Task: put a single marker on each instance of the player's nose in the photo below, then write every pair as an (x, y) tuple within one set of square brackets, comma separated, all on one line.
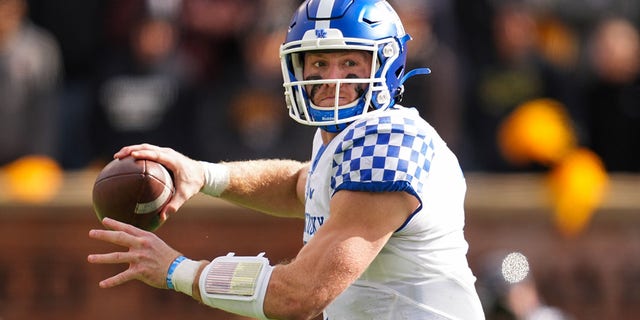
[(335, 72)]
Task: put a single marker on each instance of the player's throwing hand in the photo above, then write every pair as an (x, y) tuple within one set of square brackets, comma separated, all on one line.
[(188, 173)]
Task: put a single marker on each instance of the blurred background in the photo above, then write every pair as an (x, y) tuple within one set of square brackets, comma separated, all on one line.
[(539, 99)]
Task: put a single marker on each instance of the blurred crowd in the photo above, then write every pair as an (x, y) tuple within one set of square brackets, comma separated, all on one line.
[(80, 80)]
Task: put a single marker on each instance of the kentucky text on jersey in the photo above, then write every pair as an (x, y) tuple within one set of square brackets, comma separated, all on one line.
[(312, 223)]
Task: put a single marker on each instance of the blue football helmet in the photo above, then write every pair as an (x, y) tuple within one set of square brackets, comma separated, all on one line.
[(369, 25)]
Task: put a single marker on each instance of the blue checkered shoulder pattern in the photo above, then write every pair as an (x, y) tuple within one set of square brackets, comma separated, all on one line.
[(388, 153)]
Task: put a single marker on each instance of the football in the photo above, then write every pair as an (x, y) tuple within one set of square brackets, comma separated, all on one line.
[(133, 191)]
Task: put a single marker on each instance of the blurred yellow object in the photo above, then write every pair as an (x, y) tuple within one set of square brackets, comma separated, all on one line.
[(539, 130), (33, 179), (578, 185)]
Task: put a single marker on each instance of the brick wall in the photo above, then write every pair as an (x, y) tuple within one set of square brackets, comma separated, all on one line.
[(44, 273)]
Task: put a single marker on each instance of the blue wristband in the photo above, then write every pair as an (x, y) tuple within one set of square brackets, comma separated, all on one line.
[(172, 268)]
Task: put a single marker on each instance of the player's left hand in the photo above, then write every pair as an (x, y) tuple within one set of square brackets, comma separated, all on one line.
[(148, 257)]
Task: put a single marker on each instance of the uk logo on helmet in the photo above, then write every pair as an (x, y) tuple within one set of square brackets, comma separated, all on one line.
[(321, 33)]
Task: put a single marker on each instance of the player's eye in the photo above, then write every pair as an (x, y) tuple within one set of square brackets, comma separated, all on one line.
[(318, 64), (350, 63)]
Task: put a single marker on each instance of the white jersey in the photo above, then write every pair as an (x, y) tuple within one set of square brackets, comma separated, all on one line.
[(422, 272)]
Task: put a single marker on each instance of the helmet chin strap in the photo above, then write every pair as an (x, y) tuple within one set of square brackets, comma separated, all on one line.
[(400, 92), (415, 72)]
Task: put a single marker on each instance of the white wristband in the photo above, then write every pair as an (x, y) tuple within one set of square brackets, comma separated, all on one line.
[(216, 178), (184, 275)]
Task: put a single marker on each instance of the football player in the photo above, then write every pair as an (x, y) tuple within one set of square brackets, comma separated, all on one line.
[(382, 194)]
